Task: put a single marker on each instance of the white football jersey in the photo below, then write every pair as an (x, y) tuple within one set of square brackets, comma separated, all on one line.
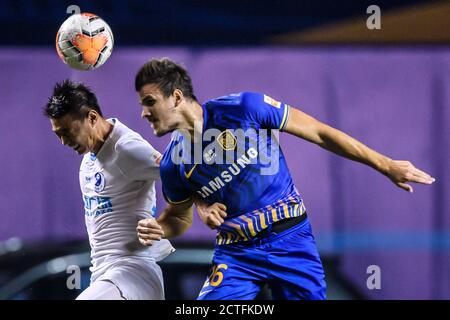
[(118, 186)]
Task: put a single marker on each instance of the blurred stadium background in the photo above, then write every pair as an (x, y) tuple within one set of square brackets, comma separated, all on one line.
[(389, 88)]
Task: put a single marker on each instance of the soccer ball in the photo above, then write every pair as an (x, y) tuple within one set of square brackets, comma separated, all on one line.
[(84, 41)]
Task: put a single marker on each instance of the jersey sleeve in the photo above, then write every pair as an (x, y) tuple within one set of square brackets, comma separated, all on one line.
[(137, 159), (173, 189), (264, 110)]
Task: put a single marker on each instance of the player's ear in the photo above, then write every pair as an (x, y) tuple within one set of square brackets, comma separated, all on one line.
[(92, 117), (178, 96)]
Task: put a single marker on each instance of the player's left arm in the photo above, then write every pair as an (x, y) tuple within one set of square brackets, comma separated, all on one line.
[(398, 171), (175, 220)]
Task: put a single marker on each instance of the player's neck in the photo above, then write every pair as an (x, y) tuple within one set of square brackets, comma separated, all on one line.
[(104, 129), (193, 119)]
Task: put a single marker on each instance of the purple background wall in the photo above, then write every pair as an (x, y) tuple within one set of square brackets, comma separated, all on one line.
[(394, 100)]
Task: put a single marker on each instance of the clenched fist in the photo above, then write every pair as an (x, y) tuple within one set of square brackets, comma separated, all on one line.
[(213, 215)]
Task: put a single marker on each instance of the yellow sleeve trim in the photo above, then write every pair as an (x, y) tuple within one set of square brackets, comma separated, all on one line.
[(285, 116), (178, 202)]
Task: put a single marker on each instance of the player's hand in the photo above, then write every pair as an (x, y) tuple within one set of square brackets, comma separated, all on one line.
[(400, 172), (149, 230), (213, 215)]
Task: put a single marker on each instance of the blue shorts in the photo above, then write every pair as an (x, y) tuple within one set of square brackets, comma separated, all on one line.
[(288, 262)]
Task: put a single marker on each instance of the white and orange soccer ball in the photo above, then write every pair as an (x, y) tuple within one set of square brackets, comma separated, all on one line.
[(84, 41)]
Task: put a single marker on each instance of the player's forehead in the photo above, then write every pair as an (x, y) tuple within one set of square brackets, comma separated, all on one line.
[(150, 90), (63, 123)]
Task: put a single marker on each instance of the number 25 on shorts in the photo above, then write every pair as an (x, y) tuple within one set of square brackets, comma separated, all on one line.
[(216, 276)]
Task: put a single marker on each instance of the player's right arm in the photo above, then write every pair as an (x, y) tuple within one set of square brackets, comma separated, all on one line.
[(399, 172), (271, 114), (177, 218), (172, 222)]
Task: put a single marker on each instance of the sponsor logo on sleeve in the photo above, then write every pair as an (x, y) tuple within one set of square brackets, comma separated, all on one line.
[(272, 102)]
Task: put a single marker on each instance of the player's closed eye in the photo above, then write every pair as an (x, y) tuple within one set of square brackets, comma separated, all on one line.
[(63, 135), (148, 102)]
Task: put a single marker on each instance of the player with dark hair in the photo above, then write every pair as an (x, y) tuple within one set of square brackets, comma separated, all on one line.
[(76, 117), (117, 180), (264, 235), (73, 98)]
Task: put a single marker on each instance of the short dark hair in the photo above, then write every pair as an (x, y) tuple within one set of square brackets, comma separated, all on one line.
[(167, 75), (71, 97)]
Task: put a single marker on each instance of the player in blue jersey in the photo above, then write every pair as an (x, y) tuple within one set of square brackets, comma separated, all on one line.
[(226, 153)]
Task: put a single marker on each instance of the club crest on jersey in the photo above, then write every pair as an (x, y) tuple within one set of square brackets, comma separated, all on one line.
[(99, 182), (227, 140)]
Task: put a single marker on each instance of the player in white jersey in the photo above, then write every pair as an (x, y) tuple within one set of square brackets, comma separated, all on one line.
[(117, 179), (118, 186)]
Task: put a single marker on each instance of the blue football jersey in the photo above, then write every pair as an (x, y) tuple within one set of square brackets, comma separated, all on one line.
[(238, 162)]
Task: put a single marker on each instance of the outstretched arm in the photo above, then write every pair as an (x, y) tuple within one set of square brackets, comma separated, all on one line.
[(400, 172)]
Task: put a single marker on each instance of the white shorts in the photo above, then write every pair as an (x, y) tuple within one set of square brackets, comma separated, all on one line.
[(133, 279), (101, 290)]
